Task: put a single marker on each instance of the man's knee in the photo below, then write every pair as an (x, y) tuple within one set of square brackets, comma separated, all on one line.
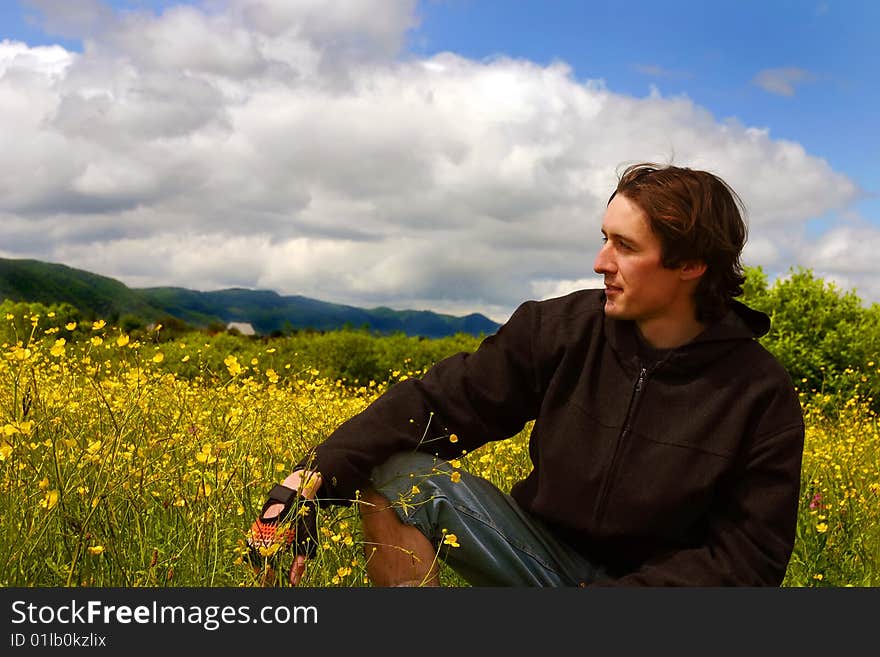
[(371, 503), (397, 553), (414, 487)]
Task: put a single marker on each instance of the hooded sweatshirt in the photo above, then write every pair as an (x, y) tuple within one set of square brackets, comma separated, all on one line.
[(680, 469)]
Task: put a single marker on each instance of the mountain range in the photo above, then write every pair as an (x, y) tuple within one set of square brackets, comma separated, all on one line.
[(266, 311)]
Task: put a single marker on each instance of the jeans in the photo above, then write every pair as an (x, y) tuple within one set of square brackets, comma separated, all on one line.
[(499, 544)]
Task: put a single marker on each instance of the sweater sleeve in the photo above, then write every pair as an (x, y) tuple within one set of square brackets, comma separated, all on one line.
[(486, 395), (751, 531)]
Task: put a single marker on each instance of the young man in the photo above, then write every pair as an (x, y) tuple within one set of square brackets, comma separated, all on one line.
[(666, 444)]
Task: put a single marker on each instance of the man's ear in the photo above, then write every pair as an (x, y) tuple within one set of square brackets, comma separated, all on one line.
[(690, 270)]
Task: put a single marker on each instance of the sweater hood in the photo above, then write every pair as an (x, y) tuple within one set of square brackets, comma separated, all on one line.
[(740, 324), (753, 320)]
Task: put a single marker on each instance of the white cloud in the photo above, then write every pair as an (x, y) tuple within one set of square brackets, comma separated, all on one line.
[(292, 146), (50, 61), (760, 252), (847, 255), (548, 289), (72, 19), (782, 81)]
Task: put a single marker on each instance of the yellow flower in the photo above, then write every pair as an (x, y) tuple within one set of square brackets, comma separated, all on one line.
[(416, 490), (50, 500), (451, 540), (122, 340), (159, 357), (57, 349), (97, 341), (272, 376), (95, 549), (232, 365), (822, 527), (5, 450), (455, 477), (269, 551), (70, 326), (453, 438), (22, 354), (97, 326)]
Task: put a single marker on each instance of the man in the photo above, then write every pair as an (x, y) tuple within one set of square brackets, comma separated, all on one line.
[(666, 444)]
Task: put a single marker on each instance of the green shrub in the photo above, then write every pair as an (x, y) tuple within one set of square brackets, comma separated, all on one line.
[(827, 339)]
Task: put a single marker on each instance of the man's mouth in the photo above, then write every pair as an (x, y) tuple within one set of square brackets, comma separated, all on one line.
[(612, 289)]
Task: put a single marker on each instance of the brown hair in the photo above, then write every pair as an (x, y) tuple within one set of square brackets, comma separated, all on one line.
[(697, 216)]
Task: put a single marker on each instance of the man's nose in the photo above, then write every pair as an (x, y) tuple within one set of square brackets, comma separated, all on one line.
[(604, 263)]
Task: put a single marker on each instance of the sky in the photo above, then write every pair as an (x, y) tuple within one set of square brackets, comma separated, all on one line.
[(451, 155)]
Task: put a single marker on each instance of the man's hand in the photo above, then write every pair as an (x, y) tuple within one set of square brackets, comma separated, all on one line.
[(306, 483)]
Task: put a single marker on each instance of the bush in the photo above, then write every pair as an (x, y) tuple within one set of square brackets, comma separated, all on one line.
[(22, 319), (827, 339)]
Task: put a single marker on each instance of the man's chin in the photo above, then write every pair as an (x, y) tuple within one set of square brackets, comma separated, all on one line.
[(614, 310)]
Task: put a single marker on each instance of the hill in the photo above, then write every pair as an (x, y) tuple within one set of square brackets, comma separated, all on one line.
[(92, 294), (267, 311)]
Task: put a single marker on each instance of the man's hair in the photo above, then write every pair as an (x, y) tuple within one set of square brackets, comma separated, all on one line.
[(697, 216)]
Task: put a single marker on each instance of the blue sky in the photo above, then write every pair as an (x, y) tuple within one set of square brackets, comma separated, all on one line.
[(779, 95)]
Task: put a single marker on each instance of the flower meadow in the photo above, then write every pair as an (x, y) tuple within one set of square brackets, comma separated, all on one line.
[(141, 461)]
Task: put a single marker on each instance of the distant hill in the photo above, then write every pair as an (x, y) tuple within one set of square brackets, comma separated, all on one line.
[(32, 280), (265, 310)]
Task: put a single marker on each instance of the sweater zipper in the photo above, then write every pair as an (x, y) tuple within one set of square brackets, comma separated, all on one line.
[(624, 434)]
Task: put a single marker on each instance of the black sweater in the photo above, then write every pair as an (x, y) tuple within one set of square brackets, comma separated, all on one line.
[(682, 472)]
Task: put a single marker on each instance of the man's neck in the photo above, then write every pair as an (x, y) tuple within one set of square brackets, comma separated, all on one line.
[(669, 333)]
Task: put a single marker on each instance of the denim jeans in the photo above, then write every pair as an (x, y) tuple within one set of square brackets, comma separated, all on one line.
[(499, 544)]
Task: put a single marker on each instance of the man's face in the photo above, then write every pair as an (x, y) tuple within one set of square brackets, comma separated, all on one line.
[(637, 285)]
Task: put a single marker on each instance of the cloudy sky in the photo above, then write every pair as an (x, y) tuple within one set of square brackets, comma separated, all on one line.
[(449, 155)]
